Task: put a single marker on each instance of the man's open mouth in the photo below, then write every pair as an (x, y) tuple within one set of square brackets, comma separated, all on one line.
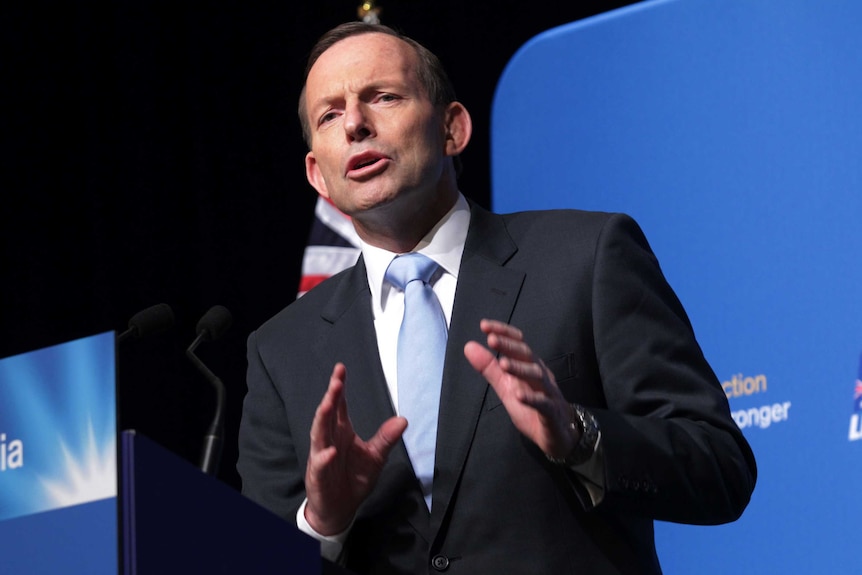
[(364, 163)]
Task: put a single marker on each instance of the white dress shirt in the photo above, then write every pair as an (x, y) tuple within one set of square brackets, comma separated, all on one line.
[(444, 244)]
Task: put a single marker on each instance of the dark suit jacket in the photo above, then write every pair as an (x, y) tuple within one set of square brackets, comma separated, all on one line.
[(591, 300)]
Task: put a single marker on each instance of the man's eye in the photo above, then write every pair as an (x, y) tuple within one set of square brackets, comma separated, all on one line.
[(327, 117), (387, 97)]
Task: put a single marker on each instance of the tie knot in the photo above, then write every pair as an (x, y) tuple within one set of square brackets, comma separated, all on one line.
[(408, 267)]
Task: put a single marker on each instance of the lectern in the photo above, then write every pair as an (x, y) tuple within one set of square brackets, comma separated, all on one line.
[(67, 507), (177, 520)]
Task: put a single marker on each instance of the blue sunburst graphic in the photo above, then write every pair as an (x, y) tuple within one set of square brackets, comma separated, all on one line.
[(58, 418)]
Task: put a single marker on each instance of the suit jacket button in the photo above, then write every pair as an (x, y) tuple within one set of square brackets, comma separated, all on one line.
[(440, 562)]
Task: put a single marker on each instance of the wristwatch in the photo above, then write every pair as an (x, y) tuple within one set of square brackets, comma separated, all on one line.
[(588, 428)]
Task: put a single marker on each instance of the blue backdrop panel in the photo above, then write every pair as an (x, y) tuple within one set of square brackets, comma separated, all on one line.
[(732, 131)]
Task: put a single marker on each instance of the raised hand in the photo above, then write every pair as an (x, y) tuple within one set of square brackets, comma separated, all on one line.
[(525, 386), (342, 468)]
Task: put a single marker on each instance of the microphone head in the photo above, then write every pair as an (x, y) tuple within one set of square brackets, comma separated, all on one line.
[(155, 319), (214, 323)]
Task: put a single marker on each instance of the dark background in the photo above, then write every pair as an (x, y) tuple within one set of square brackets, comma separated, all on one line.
[(151, 153)]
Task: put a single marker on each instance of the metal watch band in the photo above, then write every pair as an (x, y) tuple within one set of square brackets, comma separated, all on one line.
[(588, 427)]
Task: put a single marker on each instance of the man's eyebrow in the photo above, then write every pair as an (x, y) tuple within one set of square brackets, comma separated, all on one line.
[(382, 85), (324, 102)]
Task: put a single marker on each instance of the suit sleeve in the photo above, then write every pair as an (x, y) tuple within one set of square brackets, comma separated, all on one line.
[(268, 463), (671, 449)]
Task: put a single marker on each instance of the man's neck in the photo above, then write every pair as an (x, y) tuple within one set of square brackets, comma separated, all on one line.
[(400, 232)]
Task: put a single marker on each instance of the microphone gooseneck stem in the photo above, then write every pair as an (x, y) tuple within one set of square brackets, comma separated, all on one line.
[(211, 454), (129, 333)]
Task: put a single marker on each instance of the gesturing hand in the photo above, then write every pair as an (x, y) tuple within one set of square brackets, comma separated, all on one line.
[(525, 386), (342, 468)]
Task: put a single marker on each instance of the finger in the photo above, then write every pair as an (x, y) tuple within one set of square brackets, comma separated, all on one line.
[(339, 374), (535, 373), (339, 371), (510, 347), (517, 358), (322, 458), (489, 326), (529, 371), (322, 425)]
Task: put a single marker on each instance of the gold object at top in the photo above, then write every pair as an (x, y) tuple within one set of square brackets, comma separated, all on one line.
[(369, 12)]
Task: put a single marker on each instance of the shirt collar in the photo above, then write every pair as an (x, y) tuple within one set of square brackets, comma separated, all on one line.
[(444, 244)]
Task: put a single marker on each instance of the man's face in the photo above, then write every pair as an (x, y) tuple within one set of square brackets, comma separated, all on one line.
[(377, 141)]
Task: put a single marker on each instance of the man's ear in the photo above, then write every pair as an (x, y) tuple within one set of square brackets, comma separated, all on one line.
[(315, 178), (459, 128)]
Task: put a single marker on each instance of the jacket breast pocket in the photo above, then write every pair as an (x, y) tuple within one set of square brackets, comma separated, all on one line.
[(563, 367)]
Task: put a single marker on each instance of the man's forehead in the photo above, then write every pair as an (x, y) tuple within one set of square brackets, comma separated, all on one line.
[(365, 58), (371, 48)]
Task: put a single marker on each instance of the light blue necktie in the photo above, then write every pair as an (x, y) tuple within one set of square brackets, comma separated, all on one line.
[(421, 350)]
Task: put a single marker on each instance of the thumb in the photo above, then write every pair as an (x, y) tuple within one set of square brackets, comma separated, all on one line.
[(483, 361), (387, 436)]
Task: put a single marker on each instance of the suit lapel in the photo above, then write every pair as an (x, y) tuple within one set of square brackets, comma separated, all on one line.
[(485, 289), (353, 341)]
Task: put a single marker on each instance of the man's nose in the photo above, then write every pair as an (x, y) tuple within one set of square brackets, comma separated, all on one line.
[(357, 124)]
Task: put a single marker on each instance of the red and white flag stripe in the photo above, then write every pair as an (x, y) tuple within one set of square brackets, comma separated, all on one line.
[(332, 246)]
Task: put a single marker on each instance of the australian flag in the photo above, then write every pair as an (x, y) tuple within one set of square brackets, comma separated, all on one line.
[(857, 394), (332, 246)]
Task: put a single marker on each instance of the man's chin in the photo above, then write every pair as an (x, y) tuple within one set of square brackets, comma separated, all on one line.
[(373, 204)]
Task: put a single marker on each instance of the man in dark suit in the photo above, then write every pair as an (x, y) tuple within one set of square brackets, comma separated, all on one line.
[(587, 411)]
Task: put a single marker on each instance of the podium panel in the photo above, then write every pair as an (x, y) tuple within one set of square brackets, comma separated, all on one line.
[(177, 520)]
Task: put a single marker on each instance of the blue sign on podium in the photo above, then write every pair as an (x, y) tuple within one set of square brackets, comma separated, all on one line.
[(58, 459)]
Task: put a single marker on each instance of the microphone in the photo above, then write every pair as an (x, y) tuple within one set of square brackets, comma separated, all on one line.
[(214, 323), (155, 319)]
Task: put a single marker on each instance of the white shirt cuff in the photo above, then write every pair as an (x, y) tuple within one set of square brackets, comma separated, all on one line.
[(591, 473), (331, 546)]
